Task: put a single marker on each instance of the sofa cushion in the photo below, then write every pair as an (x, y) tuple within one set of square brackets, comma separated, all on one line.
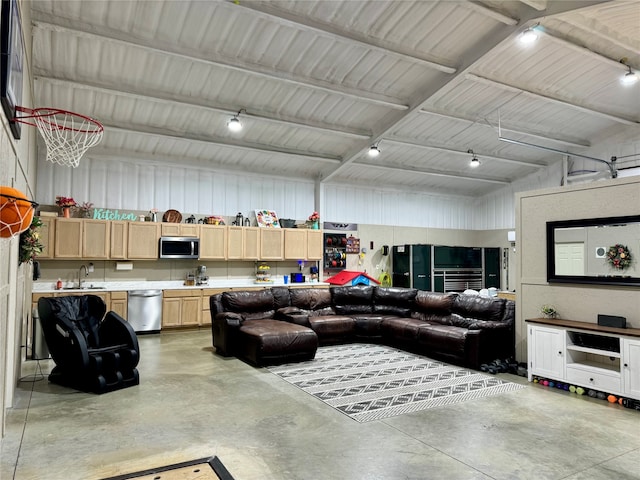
[(443, 339), (310, 298), (281, 297), (251, 304), (332, 328), (434, 302), (357, 299), (479, 308), (394, 301), (401, 329)]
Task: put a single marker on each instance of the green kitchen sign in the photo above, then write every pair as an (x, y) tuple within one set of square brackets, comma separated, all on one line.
[(106, 214)]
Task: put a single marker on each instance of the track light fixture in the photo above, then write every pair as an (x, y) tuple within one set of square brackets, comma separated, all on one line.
[(374, 151), (630, 77), (474, 160), (234, 124), (529, 35)]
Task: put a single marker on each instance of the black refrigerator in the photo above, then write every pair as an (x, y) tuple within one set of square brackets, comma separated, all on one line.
[(411, 266)]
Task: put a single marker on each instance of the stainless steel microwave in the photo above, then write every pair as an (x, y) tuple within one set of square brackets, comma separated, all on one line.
[(179, 247)]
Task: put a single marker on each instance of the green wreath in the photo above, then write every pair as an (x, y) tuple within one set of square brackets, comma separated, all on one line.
[(619, 257)]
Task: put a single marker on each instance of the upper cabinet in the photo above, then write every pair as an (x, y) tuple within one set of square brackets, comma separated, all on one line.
[(77, 238), (213, 242), (142, 240), (180, 229), (295, 243), (271, 244), (47, 236)]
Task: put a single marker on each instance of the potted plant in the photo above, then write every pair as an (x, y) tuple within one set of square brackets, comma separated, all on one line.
[(66, 203), (85, 208), (549, 311)]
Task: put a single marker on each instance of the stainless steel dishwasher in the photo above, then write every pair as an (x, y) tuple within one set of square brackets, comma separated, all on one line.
[(144, 311)]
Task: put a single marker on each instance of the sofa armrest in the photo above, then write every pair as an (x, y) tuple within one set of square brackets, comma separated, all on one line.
[(293, 315), (489, 325), (224, 329)]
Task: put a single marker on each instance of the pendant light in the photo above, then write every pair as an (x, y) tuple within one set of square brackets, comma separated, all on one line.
[(630, 77), (474, 159), (529, 35), (374, 151), (234, 124)]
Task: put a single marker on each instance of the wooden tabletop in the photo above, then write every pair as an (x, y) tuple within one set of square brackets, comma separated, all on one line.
[(593, 327)]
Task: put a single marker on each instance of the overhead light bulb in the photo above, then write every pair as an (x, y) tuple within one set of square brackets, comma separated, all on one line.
[(474, 162), (528, 36), (234, 124), (629, 78), (374, 151)]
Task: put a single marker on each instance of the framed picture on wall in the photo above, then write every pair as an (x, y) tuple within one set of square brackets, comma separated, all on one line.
[(12, 64)]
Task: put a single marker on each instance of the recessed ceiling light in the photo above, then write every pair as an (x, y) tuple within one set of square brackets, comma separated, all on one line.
[(374, 151)]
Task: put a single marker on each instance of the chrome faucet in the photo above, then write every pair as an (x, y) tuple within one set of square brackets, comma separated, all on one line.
[(86, 274)]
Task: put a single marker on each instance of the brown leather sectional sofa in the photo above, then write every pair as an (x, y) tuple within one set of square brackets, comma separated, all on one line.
[(281, 325)]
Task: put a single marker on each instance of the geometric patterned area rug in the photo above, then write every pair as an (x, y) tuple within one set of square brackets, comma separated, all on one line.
[(370, 382)]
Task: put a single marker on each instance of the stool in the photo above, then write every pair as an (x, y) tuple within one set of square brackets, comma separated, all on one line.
[(266, 341)]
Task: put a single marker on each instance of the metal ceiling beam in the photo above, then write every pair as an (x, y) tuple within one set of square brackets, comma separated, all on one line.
[(268, 11), (491, 13), (249, 146), (93, 32), (491, 40), (401, 141), (484, 123), (434, 173), (557, 101), (191, 102)]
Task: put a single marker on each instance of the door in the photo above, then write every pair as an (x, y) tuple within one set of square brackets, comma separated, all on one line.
[(569, 258), (421, 266), (546, 352), (401, 263), (631, 367), (492, 267)]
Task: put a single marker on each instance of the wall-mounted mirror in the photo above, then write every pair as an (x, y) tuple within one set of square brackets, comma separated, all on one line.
[(595, 250)]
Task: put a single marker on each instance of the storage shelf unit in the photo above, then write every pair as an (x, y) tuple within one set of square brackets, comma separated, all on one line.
[(585, 354)]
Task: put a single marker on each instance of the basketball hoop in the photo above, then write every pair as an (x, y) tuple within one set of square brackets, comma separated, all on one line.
[(67, 135)]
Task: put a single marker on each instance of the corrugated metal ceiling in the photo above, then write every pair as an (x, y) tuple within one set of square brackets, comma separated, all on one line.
[(317, 83)]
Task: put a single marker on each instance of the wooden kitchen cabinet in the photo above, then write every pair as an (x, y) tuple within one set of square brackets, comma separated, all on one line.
[(68, 238), (251, 240), (213, 242), (205, 318), (96, 239), (179, 229), (271, 243), (235, 242), (315, 246), (119, 231), (142, 240), (47, 236), (119, 303), (295, 243), (181, 308), (82, 238)]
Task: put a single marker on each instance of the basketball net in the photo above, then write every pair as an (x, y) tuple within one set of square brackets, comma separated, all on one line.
[(16, 213), (67, 135)]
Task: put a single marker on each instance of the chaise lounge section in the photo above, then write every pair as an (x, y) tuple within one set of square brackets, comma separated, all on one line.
[(284, 325)]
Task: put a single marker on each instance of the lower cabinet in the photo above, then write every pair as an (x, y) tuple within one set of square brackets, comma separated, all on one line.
[(181, 308), (605, 359), (119, 303), (206, 310)]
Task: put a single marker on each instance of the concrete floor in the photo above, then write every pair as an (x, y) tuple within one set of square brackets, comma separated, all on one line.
[(192, 403)]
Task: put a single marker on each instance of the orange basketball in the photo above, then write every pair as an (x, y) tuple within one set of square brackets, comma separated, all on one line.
[(16, 212)]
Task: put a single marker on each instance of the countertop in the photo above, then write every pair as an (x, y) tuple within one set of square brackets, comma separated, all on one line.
[(49, 287)]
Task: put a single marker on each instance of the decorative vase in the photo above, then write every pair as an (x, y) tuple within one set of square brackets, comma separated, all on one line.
[(66, 212), (315, 226)]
